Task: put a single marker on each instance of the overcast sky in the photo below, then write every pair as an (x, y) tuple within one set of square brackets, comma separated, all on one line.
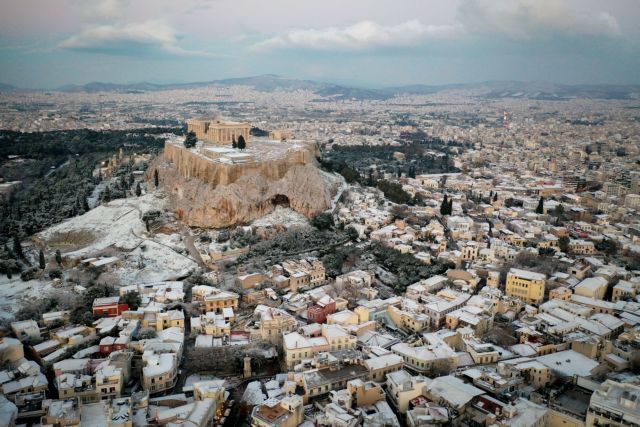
[(47, 43)]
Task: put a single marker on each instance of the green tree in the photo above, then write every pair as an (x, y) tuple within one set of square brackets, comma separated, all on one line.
[(352, 233), (540, 208), (41, 260), (323, 221), (242, 144), (563, 243), (495, 196), (58, 257), (444, 206), (106, 194), (156, 179), (234, 144), (132, 299), (350, 175), (138, 190), (394, 192), (17, 247), (190, 140)]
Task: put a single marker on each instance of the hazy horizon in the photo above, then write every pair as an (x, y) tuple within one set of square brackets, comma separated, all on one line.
[(373, 44)]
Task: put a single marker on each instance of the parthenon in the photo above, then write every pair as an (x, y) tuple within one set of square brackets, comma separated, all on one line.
[(218, 131)]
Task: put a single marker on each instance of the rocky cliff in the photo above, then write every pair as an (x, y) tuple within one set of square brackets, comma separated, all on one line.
[(212, 194)]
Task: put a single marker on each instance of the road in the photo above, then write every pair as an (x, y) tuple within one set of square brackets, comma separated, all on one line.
[(188, 239)]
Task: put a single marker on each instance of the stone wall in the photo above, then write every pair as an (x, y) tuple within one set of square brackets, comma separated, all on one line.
[(210, 194)]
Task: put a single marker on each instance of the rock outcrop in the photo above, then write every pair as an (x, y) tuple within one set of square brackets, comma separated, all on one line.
[(212, 194)]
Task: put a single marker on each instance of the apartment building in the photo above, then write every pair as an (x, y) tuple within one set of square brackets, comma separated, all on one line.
[(526, 285)]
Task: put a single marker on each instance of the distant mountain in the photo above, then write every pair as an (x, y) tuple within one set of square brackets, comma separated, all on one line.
[(7, 88), (559, 92), (264, 83), (490, 89), (111, 87)]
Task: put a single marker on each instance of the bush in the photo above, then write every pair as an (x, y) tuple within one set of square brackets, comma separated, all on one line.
[(323, 221), (407, 267), (147, 333), (30, 274), (394, 192), (55, 274), (9, 267), (352, 233)]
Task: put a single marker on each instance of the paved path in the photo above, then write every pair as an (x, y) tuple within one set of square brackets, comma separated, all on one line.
[(188, 239)]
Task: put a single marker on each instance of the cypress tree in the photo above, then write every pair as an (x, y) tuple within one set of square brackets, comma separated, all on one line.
[(17, 247), (106, 194), (58, 257), (138, 190), (41, 260), (234, 144), (540, 208), (156, 180), (242, 144), (444, 205)]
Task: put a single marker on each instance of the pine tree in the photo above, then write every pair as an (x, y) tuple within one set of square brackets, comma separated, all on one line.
[(85, 204), (495, 196), (17, 247), (234, 144), (41, 260), (138, 190), (58, 257), (156, 180), (540, 208), (450, 207), (242, 144)]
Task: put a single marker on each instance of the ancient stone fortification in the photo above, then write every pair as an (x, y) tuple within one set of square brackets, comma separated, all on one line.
[(214, 194)]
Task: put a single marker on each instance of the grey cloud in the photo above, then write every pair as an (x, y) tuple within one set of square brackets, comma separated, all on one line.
[(523, 20), (511, 20), (131, 39), (362, 35)]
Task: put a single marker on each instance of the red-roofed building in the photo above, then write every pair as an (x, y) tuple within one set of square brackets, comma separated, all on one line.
[(319, 311), (108, 307)]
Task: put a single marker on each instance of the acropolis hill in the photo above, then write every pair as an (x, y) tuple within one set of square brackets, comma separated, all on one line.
[(214, 185)]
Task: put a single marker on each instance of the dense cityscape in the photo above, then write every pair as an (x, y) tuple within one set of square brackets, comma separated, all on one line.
[(276, 252)]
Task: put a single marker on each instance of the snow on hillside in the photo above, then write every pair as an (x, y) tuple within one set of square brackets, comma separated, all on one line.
[(281, 216), (115, 224), (119, 225), (153, 262)]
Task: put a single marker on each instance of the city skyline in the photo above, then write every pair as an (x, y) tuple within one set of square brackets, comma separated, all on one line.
[(47, 45)]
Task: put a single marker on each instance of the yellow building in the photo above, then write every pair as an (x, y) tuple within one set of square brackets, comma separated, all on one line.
[(218, 300), (365, 393), (526, 285), (217, 131), (169, 319), (562, 293), (273, 323)]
